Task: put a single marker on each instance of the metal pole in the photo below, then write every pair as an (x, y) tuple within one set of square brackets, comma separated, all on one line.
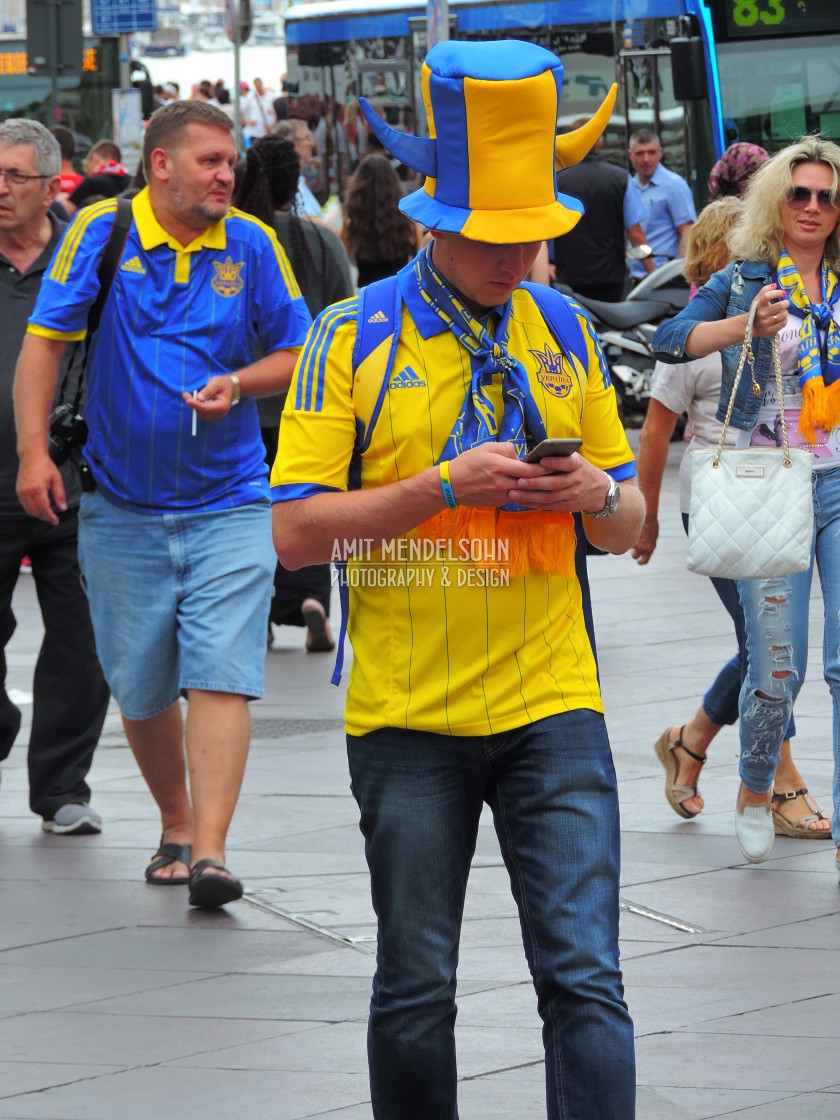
[(237, 90), (55, 61), (125, 59), (437, 22)]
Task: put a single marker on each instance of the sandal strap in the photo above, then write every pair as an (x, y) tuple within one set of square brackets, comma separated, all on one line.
[(683, 793), (204, 864), (814, 807), (701, 758), (803, 822), (791, 795), (171, 853)]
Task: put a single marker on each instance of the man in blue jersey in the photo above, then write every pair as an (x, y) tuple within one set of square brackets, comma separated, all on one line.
[(174, 542)]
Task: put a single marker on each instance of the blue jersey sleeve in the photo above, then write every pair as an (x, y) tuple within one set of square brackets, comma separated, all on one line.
[(70, 284)]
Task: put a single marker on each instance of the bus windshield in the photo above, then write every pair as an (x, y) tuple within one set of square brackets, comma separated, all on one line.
[(803, 95)]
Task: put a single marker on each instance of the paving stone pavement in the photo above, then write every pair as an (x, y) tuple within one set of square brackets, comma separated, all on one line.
[(117, 1002)]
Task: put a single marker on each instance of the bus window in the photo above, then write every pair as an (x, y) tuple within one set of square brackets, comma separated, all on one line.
[(802, 97)]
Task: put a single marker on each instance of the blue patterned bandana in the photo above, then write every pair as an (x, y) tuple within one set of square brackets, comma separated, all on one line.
[(521, 423)]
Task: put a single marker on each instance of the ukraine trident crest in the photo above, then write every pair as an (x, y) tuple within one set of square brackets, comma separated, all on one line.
[(552, 372), (227, 281)]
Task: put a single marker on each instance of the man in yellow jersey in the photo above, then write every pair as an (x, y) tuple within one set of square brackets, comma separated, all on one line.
[(174, 541), (474, 677)]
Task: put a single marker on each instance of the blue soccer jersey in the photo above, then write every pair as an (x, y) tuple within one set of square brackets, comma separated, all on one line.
[(176, 316)]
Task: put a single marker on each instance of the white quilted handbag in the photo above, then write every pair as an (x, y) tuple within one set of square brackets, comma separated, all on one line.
[(751, 514)]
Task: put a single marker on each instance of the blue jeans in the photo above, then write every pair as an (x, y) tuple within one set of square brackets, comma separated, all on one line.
[(722, 701), (776, 616), (551, 786)]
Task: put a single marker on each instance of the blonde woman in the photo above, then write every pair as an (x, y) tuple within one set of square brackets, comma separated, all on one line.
[(694, 387), (786, 262)]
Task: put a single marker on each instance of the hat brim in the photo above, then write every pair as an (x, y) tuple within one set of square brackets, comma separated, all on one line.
[(497, 227)]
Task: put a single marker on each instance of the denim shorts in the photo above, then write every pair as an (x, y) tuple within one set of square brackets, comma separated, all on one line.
[(178, 600)]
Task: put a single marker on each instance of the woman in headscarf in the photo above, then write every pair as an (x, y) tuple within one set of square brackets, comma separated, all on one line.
[(732, 172)]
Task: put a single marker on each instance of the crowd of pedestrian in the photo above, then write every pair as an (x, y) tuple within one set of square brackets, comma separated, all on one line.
[(440, 408)]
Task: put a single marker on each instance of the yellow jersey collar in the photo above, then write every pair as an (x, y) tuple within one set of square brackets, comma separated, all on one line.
[(152, 233)]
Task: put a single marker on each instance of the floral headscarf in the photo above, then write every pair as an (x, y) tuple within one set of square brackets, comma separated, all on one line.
[(734, 169)]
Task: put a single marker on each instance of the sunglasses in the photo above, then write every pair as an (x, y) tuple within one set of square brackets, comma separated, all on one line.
[(800, 197)]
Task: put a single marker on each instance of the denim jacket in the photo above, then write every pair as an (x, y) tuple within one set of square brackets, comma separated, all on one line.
[(728, 293)]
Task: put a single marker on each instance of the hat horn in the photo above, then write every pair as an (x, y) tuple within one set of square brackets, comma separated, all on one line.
[(414, 151), (570, 148)]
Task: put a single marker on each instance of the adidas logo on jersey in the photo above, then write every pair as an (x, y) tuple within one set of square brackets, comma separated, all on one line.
[(378, 317), (134, 265), (406, 379)]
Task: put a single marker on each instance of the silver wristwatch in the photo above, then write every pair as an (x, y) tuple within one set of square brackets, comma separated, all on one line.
[(611, 504)]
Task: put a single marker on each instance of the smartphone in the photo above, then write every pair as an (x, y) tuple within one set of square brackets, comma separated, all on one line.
[(552, 448)]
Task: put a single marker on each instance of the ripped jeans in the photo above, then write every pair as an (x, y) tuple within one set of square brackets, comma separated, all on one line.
[(776, 619)]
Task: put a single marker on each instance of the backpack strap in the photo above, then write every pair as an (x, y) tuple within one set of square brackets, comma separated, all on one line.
[(105, 274), (377, 336), (379, 314), (560, 318)]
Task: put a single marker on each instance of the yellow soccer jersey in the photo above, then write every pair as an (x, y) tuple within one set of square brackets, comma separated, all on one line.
[(440, 645)]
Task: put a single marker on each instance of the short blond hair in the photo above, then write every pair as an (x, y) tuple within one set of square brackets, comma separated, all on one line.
[(759, 235), (707, 251)]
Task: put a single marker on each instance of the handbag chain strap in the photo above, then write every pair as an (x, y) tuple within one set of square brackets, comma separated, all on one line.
[(747, 355)]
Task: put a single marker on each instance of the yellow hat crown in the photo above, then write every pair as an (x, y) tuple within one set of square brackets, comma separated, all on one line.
[(490, 162)]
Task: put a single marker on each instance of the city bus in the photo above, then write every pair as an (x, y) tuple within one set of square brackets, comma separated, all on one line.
[(763, 71), (84, 103)]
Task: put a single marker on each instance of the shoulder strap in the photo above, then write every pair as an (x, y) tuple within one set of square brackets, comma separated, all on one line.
[(108, 264), (560, 318), (377, 336), (105, 274)]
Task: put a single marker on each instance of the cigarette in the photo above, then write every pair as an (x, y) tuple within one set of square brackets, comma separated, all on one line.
[(195, 414)]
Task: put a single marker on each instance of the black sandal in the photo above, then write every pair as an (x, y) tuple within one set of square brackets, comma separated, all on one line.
[(210, 890), (166, 854)]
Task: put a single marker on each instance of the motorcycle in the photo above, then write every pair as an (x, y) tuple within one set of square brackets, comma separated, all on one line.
[(625, 331)]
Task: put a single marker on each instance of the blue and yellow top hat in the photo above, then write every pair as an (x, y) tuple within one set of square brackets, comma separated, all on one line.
[(491, 159)]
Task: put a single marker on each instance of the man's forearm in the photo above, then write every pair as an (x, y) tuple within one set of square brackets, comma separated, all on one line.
[(35, 380), (271, 374), (621, 531), (636, 236), (310, 530)]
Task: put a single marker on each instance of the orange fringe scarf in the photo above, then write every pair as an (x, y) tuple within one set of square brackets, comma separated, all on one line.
[(517, 543)]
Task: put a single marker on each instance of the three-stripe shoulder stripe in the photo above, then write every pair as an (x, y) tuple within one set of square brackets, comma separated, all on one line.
[(586, 323), (310, 386), (67, 252)]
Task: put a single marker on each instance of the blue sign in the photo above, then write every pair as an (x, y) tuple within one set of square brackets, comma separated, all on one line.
[(120, 17)]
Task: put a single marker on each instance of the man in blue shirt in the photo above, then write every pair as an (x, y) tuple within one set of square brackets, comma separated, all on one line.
[(666, 197), (175, 541)]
